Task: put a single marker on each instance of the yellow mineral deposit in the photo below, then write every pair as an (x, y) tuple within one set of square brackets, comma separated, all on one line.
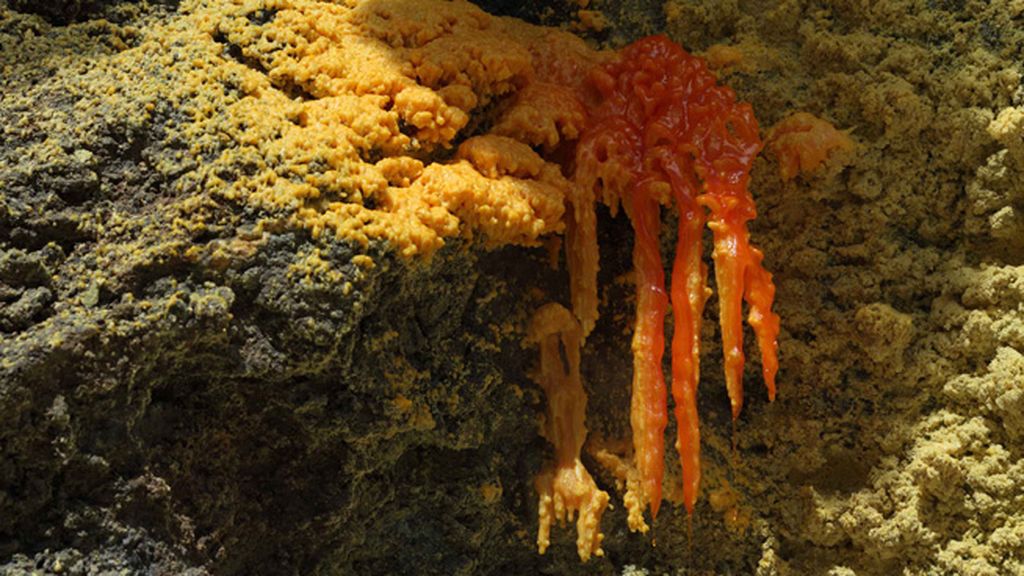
[(416, 121), (564, 486)]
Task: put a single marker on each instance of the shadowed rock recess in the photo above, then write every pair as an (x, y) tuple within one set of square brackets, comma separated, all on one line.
[(255, 320)]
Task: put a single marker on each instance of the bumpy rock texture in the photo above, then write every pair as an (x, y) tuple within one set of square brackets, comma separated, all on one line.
[(194, 380)]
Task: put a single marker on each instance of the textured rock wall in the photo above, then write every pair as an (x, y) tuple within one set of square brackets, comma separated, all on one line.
[(184, 389)]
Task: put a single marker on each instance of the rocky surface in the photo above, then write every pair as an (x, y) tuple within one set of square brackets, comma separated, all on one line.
[(187, 389)]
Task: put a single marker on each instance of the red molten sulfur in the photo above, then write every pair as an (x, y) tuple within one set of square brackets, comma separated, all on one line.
[(663, 130)]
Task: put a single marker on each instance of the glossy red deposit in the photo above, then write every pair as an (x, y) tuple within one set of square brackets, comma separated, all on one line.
[(665, 131)]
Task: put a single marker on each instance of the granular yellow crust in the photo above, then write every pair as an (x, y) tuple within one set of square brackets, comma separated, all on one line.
[(543, 114), (351, 113)]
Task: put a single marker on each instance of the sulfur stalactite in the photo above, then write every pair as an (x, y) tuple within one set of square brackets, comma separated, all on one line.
[(564, 486), (663, 130), (650, 127), (660, 130)]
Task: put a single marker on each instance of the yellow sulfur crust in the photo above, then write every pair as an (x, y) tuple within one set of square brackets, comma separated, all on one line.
[(387, 87)]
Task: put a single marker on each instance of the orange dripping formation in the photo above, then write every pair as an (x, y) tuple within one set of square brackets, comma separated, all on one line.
[(664, 130), (564, 486)]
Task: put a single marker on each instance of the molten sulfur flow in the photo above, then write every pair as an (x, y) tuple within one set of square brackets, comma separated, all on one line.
[(665, 132), (659, 131)]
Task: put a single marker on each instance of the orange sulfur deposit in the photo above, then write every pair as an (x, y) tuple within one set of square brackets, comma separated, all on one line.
[(565, 487), (417, 121), (665, 123), (662, 131)]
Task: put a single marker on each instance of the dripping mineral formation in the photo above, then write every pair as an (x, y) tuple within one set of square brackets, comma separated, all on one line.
[(662, 131), (658, 130), (542, 128)]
